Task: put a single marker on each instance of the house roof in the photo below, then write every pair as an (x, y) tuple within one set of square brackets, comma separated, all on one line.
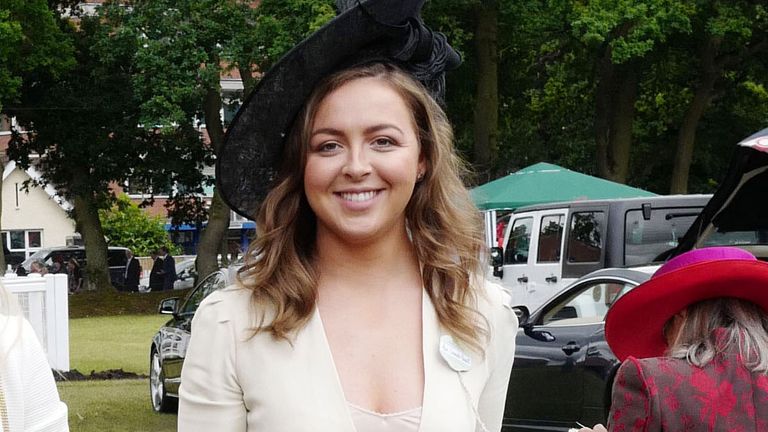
[(34, 174)]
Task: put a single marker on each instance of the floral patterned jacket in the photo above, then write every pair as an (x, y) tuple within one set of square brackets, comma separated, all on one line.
[(666, 394)]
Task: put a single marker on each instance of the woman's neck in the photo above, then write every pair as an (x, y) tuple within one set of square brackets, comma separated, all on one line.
[(369, 263)]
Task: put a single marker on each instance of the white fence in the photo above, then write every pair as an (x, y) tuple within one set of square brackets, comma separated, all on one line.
[(45, 302)]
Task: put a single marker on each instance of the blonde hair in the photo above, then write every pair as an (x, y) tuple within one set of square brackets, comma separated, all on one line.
[(745, 325), (444, 224)]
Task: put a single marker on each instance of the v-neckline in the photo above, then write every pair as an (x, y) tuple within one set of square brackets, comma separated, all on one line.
[(427, 338)]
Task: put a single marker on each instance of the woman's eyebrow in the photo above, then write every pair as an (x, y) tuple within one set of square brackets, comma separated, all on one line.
[(326, 131), (368, 130), (382, 126)]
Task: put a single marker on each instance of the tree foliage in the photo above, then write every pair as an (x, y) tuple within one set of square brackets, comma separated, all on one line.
[(31, 43), (185, 47), (125, 224), (88, 135), (609, 87)]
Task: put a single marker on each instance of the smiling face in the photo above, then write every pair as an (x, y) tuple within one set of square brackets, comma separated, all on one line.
[(362, 163)]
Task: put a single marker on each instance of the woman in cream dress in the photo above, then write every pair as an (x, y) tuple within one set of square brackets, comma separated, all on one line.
[(361, 306)]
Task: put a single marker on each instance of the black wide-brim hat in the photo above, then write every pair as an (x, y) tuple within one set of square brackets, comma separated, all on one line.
[(364, 32)]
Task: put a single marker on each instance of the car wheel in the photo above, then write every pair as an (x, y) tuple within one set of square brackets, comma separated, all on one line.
[(161, 402)]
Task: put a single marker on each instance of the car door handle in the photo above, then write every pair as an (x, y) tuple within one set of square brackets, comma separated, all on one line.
[(551, 279), (571, 348), (523, 279)]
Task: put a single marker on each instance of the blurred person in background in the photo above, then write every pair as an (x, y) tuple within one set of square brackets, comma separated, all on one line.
[(29, 400), (132, 272), (694, 344), (168, 271), (38, 267), (155, 276), (74, 275)]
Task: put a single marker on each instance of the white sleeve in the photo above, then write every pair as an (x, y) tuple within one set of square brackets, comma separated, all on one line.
[(43, 410), (210, 397), (504, 324)]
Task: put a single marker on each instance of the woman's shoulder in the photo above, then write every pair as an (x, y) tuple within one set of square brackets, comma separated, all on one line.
[(235, 304), (493, 299), (232, 302), (495, 304)]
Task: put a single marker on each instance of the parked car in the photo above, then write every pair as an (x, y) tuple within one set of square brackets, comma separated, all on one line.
[(186, 273), (169, 345), (549, 246), (564, 370), (734, 215), (116, 260)]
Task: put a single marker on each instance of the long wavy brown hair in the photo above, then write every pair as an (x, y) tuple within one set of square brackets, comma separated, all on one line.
[(444, 224)]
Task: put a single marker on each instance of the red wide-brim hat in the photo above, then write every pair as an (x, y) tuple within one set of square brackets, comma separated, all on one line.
[(634, 326)]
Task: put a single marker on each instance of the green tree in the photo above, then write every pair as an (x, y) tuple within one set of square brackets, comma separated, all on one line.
[(472, 27), (727, 37), (86, 131), (125, 224), (186, 46), (31, 44)]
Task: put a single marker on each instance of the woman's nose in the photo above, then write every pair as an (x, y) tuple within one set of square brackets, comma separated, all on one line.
[(357, 164)]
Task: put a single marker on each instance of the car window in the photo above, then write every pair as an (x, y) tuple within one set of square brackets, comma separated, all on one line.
[(646, 239), (116, 258), (550, 238), (519, 242), (588, 304), (204, 288), (585, 241), (737, 238)]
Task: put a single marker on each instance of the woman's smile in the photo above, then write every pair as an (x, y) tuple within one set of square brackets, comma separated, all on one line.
[(359, 196)]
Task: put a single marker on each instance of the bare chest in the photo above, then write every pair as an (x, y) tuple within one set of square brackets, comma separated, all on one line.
[(378, 355)]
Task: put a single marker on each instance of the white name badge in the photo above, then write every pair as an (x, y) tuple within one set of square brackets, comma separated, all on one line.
[(456, 358)]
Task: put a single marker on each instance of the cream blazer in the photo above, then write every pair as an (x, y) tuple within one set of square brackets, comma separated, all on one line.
[(30, 400), (233, 383)]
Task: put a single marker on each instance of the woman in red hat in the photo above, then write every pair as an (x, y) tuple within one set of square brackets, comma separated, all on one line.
[(694, 345)]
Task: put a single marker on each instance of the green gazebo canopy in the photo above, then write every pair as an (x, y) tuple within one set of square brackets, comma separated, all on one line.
[(545, 183)]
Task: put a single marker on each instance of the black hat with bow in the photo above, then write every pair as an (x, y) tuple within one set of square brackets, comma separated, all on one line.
[(389, 31)]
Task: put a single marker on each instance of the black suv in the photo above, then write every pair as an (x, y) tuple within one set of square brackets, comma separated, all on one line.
[(115, 259)]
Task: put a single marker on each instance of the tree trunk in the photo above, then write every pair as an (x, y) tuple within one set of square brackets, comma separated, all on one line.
[(249, 82), (603, 92), (615, 98), (622, 118), (487, 97), (86, 213), (212, 237), (218, 217), (686, 136)]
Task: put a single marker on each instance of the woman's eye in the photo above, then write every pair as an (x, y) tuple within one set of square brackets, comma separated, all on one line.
[(328, 147), (383, 142)]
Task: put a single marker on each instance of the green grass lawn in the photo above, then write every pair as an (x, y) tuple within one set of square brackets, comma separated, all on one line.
[(115, 342), (112, 342), (118, 405)]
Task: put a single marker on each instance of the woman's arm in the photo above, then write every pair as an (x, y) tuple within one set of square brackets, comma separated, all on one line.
[(632, 405), (504, 328), (210, 398)]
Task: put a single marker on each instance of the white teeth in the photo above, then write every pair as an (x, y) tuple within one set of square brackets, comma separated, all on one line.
[(358, 197)]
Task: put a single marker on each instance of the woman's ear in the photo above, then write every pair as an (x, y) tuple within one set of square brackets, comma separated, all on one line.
[(421, 168)]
